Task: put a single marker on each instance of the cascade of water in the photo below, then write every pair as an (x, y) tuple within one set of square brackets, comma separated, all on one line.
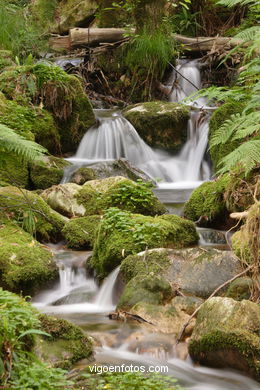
[(114, 137), (105, 296)]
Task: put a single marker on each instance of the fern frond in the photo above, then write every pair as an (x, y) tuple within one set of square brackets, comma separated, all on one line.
[(250, 126), (247, 154), (224, 133), (248, 34), (233, 3), (13, 143)]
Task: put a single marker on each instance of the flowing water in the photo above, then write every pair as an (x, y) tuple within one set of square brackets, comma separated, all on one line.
[(77, 298), (114, 137)]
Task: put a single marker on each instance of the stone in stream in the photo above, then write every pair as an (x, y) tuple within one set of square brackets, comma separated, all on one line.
[(227, 334), (105, 169), (66, 345), (160, 124)]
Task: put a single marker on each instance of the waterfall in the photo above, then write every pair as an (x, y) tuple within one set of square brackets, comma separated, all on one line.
[(105, 296), (114, 137)]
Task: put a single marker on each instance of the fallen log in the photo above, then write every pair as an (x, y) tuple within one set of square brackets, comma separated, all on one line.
[(84, 37)]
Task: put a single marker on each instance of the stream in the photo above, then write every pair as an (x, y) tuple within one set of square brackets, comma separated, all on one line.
[(77, 298)]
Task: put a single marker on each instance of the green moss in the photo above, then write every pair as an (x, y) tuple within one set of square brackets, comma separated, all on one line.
[(151, 289), (239, 289), (227, 333), (98, 195), (47, 172), (6, 59), (208, 201), (218, 118), (155, 262), (82, 175), (47, 223), (25, 265), (80, 232), (121, 234), (67, 344), (14, 172), (160, 124), (60, 93), (110, 16)]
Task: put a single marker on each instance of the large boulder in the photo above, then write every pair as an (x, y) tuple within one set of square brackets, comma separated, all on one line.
[(57, 92), (65, 345), (207, 204), (63, 199), (161, 125), (227, 334), (98, 195), (47, 171), (25, 265), (121, 234), (32, 212)]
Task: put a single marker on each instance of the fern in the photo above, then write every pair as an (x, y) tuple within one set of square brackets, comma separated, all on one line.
[(247, 155), (233, 3), (248, 34), (12, 143)]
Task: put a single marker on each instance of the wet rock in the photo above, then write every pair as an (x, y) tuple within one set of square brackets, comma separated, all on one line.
[(62, 198), (103, 170), (160, 124), (66, 345), (227, 334)]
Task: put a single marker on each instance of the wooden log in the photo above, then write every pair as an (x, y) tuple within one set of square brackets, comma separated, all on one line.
[(83, 37), (93, 36)]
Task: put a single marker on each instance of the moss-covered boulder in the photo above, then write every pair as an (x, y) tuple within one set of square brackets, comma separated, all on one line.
[(14, 172), (58, 92), (207, 204), (121, 234), (47, 172), (66, 345), (98, 195), (240, 289), (80, 232), (32, 212), (219, 116), (31, 122), (63, 199), (110, 16), (227, 334), (162, 125), (25, 265)]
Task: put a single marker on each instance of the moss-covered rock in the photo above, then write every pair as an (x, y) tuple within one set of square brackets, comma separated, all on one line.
[(63, 199), (98, 195), (25, 265), (207, 203), (66, 345), (240, 289), (152, 289), (219, 116), (121, 234), (80, 232), (160, 124), (32, 212), (83, 174), (14, 172), (58, 92), (110, 16), (47, 172), (227, 334), (32, 123)]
